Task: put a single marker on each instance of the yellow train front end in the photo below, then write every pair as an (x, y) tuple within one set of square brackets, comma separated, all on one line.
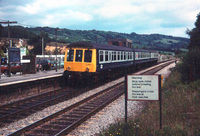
[(80, 60), (79, 63)]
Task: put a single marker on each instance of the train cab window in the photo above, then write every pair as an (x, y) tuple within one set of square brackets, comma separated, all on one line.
[(79, 54), (70, 55), (88, 56)]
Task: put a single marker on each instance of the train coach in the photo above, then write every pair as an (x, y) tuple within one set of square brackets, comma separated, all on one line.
[(86, 59)]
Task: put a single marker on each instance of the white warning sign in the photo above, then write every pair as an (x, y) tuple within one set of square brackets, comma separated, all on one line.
[(143, 87)]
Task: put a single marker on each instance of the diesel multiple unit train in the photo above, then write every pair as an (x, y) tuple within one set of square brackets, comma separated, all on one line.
[(86, 59)]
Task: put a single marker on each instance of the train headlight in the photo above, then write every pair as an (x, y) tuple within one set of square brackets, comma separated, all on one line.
[(68, 68), (87, 69)]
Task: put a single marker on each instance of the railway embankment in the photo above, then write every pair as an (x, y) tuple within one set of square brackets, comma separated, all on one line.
[(180, 112)]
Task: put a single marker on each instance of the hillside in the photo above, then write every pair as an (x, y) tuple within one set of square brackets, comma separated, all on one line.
[(153, 41)]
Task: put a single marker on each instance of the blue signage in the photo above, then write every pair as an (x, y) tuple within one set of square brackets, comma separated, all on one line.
[(14, 54)]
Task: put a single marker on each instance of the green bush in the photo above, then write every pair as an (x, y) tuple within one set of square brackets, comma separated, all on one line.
[(120, 129)]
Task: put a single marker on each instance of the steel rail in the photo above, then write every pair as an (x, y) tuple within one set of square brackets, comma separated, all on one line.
[(29, 104), (45, 119)]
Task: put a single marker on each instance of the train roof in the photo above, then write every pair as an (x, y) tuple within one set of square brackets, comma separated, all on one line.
[(153, 51), (141, 50), (98, 46)]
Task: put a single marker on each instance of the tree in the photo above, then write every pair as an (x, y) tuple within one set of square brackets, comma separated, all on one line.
[(36, 40), (195, 34), (194, 50)]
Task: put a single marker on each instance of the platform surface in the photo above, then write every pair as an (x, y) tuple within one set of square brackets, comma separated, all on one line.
[(4, 80)]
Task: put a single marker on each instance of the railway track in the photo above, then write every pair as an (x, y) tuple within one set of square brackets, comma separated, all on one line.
[(23, 108), (157, 68), (63, 121)]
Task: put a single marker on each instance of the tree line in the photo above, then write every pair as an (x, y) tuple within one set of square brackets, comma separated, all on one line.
[(35, 35)]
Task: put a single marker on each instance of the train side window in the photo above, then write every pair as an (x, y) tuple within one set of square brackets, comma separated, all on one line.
[(114, 57), (112, 53), (70, 55), (106, 55), (110, 56), (88, 56), (132, 55), (122, 55), (119, 54), (79, 54), (100, 55)]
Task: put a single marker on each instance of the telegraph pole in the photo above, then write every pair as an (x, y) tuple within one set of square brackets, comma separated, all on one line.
[(9, 22), (56, 47)]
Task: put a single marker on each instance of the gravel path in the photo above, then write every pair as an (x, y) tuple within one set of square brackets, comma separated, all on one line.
[(112, 113)]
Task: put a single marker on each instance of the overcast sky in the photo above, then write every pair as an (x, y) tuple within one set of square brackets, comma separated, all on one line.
[(169, 17)]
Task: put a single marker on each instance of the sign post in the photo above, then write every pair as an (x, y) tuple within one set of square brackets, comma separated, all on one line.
[(160, 96), (126, 100), (143, 88)]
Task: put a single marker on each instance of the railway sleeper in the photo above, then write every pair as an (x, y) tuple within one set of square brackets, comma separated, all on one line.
[(44, 131), (54, 127), (81, 110), (60, 123), (73, 116), (89, 107)]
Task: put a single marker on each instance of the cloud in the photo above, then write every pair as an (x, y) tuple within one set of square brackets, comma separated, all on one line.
[(146, 16), (67, 18), (112, 9)]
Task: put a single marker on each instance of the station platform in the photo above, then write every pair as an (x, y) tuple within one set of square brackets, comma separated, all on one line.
[(19, 78)]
